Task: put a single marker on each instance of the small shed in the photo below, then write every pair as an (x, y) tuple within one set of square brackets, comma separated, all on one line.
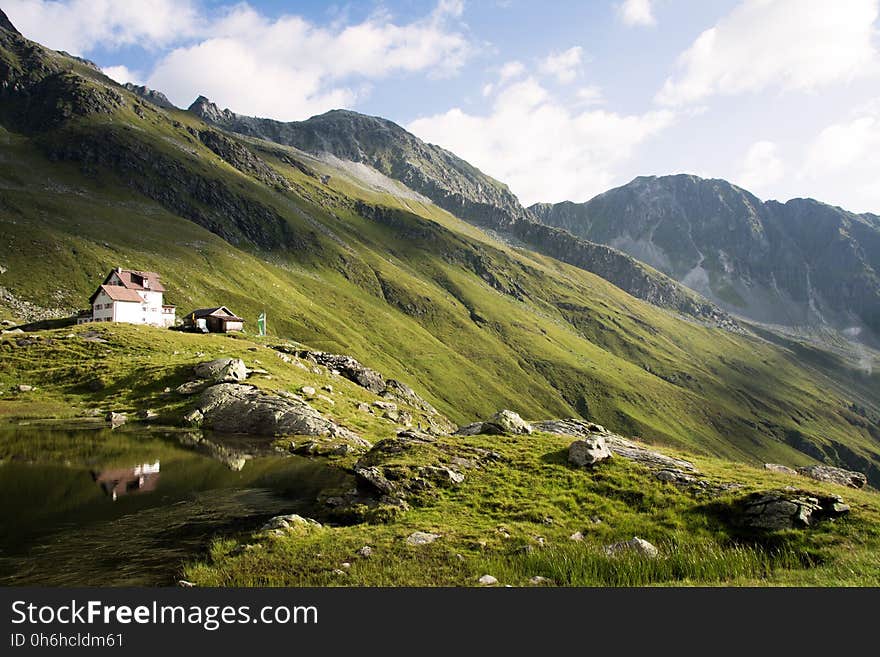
[(213, 320)]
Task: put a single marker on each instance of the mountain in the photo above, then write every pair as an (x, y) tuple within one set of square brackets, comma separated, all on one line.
[(459, 188), (155, 97), (800, 263), (345, 257)]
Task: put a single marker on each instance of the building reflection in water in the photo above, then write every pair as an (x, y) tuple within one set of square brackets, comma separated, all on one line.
[(122, 481)]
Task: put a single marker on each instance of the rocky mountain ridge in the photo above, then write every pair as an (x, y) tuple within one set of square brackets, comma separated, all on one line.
[(801, 262)]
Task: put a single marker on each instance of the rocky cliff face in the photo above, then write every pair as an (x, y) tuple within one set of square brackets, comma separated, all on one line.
[(461, 189), (795, 263), (155, 97)]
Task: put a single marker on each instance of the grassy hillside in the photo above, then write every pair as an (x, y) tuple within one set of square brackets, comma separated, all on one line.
[(472, 324)]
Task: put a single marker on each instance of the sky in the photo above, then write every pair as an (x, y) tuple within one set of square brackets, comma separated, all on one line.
[(561, 100)]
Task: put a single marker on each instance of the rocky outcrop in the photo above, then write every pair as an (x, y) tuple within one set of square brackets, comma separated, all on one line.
[(503, 422), (241, 158), (391, 390), (155, 97), (789, 509), (780, 469), (834, 475), (237, 408), (222, 370)]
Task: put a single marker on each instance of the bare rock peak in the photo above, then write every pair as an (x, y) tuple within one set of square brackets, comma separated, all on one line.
[(6, 24)]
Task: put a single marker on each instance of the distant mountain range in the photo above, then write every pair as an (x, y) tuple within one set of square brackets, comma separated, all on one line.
[(801, 263), (797, 263)]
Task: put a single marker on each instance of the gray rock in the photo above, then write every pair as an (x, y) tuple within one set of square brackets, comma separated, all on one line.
[(365, 552), (116, 419), (23, 387), (781, 469), (222, 370), (790, 509), (488, 580), (588, 451), (577, 536), (373, 478), (506, 422), (147, 414), (636, 545), (194, 417), (308, 391), (421, 538), (291, 522), (833, 475), (236, 408), (191, 387), (474, 429)]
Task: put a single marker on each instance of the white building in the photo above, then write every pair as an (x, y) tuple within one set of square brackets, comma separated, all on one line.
[(130, 296)]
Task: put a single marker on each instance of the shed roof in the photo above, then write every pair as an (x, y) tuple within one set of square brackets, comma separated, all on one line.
[(217, 311)]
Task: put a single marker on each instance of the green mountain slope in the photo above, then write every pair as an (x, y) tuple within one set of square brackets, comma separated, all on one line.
[(461, 189), (93, 176), (795, 263)]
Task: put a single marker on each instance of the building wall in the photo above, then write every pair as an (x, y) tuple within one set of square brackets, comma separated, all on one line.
[(102, 308), (234, 326), (128, 312)]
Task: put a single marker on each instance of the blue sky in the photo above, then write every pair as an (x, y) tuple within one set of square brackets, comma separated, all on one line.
[(560, 100)]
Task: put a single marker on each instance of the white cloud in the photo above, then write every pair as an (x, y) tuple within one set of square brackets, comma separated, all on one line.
[(842, 161), (777, 44), (565, 65), (636, 12), (79, 26), (289, 68), (761, 167), (590, 95), (542, 149), (511, 70), (122, 74), (285, 68)]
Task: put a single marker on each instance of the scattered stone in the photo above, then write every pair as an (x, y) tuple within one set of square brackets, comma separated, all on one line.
[(23, 387), (577, 536), (506, 422), (790, 509), (194, 417), (116, 419), (345, 564), (365, 552), (538, 580), (147, 414), (833, 475), (337, 571), (588, 451), (184, 584), (421, 538), (308, 391), (635, 544), (781, 469), (325, 398), (373, 478), (547, 521), (487, 580), (291, 522), (363, 408)]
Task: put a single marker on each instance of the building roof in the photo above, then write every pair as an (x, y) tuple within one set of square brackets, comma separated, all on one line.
[(218, 311), (117, 293), (135, 280)]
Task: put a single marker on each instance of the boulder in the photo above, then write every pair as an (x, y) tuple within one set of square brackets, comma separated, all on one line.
[(372, 478), (506, 422), (222, 370), (488, 580), (308, 391), (194, 417), (588, 451), (790, 509), (290, 523), (116, 419), (473, 429), (781, 469), (421, 538), (635, 545), (833, 475), (236, 408), (191, 387)]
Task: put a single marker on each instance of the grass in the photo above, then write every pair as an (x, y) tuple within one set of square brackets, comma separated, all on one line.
[(492, 524)]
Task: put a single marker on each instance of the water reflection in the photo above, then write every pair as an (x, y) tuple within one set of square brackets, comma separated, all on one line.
[(141, 478), (58, 529)]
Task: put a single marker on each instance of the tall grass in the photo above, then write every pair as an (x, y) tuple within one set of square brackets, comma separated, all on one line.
[(701, 563)]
